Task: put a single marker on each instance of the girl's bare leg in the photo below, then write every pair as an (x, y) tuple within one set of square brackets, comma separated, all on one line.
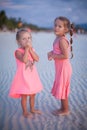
[(64, 103), (24, 106), (32, 102), (64, 110)]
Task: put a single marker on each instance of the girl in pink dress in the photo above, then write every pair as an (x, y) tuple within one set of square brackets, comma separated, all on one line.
[(63, 70), (26, 81)]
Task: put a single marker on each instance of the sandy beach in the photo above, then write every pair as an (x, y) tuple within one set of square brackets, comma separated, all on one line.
[(10, 109)]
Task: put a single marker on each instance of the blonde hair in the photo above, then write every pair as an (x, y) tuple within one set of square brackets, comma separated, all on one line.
[(20, 31), (70, 28)]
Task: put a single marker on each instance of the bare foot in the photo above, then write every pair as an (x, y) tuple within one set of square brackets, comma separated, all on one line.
[(36, 112), (27, 114), (56, 111), (63, 113)]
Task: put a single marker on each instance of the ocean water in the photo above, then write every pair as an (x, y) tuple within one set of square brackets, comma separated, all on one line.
[(10, 109)]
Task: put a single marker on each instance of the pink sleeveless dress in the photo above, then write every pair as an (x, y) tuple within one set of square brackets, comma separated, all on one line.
[(25, 81), (63, 71)]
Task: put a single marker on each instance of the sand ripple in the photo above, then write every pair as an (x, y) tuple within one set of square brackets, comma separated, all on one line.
[(10, 109)]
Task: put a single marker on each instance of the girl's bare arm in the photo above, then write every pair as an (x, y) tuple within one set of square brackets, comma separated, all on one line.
[(34, 55), (22, 57), (64, 50)]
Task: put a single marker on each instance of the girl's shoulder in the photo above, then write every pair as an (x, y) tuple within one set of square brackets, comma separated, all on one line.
[(63, 39), (19, 49)]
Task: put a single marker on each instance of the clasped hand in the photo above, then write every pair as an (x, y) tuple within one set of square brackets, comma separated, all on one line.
[(28, 46), (49, 54)]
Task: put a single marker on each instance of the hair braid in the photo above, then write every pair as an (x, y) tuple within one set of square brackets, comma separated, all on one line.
[(71, 40)]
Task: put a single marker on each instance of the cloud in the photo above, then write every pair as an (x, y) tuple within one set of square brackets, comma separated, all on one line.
[(68, 9), (12, 5), (43, 12)]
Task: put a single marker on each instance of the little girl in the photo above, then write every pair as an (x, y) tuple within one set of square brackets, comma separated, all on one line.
[(63, 69), (26, 81)]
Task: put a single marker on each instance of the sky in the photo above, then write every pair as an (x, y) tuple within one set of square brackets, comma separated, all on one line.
[(43, 12)]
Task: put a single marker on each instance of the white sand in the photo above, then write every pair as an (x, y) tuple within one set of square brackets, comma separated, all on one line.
[(10, 109)]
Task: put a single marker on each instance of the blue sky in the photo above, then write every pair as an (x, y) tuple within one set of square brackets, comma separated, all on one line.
[(43, 12)]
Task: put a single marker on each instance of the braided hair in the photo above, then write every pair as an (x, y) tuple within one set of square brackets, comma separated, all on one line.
[(71, 40), (70, 28)]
